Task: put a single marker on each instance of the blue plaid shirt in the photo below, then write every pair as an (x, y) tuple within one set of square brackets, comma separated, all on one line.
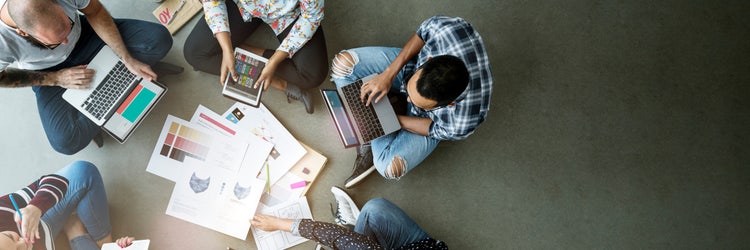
[(444, 35)]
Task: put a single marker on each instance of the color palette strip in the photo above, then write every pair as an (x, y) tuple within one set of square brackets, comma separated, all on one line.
[(182, 141), (135, 104)]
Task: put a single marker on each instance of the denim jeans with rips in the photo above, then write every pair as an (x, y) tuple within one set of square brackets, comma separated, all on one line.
[(411, 148)]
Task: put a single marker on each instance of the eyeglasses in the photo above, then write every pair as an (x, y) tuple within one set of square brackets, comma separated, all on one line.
[(51, 46)]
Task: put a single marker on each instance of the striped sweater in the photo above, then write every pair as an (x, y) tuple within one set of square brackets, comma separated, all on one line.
[(43, 193)]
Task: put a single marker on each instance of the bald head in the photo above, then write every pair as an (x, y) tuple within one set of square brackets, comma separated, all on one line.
[(30, 15)]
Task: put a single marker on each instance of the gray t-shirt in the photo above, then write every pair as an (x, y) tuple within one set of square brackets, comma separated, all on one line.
[(15, 49)]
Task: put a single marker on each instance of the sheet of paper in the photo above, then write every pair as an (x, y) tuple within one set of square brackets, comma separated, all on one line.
[(210, 120), (297, 208), (260, 122), (282, 190), (137, 245), (258, 149), (216, 198), (180, 140)]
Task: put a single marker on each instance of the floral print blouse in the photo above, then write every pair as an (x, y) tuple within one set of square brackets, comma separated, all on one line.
[(279, 14)]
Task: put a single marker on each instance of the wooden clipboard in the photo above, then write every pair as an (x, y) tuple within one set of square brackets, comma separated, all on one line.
[(309, 167), (167, 9)]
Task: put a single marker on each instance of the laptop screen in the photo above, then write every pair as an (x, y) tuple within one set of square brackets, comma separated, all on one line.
[(132, 110), (343, 125)]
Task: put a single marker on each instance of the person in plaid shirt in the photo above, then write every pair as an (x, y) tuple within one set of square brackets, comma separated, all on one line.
[(444, 73)]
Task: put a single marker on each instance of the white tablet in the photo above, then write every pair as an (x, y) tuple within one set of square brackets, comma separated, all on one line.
[(248, 67)]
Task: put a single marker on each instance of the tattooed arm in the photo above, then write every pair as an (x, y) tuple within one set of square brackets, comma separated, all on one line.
[(77, 77)]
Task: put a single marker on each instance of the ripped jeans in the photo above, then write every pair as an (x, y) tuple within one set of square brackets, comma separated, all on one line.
[(397, 153)]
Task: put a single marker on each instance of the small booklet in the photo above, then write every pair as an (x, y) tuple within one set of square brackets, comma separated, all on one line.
[(248, 67), (137, 245)]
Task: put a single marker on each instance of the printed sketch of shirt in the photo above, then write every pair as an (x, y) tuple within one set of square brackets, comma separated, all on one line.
[(279, 14)]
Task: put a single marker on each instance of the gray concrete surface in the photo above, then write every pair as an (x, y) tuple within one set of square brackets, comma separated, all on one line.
[(613, 125)]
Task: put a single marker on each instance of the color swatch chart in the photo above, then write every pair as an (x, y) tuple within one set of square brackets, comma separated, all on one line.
[(183, 141)]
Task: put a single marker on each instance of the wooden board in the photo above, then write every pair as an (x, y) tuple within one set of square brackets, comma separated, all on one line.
[(314, 162), (166, 10)]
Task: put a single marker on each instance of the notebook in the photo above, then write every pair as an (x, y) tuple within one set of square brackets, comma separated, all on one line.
[(117, 100), (356, 123)]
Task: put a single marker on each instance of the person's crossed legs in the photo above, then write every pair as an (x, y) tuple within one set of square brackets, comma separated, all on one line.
[(87, 197), (387, 223), (397, 153), (69, 131)]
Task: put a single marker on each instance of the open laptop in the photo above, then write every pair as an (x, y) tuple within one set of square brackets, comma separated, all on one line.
[(356, 123), (117, 99)]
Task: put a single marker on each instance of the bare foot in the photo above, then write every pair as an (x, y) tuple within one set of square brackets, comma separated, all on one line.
[(278, 83), (74, 227)]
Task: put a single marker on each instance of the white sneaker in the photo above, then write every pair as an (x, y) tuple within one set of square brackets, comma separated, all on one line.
[(347, 211)]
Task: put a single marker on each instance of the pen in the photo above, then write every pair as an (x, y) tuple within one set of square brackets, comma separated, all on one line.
[(179, 7), (10, 196)]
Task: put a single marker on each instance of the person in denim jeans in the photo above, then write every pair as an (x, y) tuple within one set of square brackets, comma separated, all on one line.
[(380, 225), (443, 72), (47, 207), (50, 44)]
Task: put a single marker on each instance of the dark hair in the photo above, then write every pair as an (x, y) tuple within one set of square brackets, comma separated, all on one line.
[(443, 79)]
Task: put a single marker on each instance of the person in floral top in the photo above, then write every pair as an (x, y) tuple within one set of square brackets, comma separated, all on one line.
[(297, 65)]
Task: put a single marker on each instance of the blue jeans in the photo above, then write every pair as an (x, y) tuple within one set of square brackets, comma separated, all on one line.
[(387, 223), (410, 147), (69, 131), (87, 197)]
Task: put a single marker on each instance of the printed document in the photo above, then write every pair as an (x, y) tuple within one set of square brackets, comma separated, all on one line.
[(260, 123), (216, 198), (297, 208)]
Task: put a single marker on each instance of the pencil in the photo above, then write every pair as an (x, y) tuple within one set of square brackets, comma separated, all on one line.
[(179, 7), (268, 179)]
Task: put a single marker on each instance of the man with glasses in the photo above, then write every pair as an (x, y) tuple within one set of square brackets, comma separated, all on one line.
[(444, 72), (50, 45)]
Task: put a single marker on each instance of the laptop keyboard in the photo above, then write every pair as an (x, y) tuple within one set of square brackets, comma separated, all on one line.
[(364, 116), (107, 92)]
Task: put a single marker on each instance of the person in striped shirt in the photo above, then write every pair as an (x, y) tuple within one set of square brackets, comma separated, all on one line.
[(47, 207)]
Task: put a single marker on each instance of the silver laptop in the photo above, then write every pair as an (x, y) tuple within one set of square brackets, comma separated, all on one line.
[(356, 123), (117, 99)]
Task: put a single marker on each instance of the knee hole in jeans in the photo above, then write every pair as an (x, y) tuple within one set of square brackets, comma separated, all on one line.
[(397, 169), (343, 64)]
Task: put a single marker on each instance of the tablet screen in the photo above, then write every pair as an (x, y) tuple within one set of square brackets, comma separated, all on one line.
[(248, 67)]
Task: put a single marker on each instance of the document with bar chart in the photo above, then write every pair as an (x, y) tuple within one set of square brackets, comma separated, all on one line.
[(180, 140)]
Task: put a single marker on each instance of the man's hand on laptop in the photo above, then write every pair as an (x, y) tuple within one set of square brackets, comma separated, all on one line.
[(376, 88), (78, 77), (140, 69)]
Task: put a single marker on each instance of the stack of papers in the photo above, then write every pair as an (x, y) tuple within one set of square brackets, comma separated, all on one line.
[(222, 166)]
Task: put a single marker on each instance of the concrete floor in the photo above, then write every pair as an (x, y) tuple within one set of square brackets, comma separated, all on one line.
[(614, 124)]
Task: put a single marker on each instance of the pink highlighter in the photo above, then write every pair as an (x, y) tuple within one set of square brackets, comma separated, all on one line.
[(299, 184)]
